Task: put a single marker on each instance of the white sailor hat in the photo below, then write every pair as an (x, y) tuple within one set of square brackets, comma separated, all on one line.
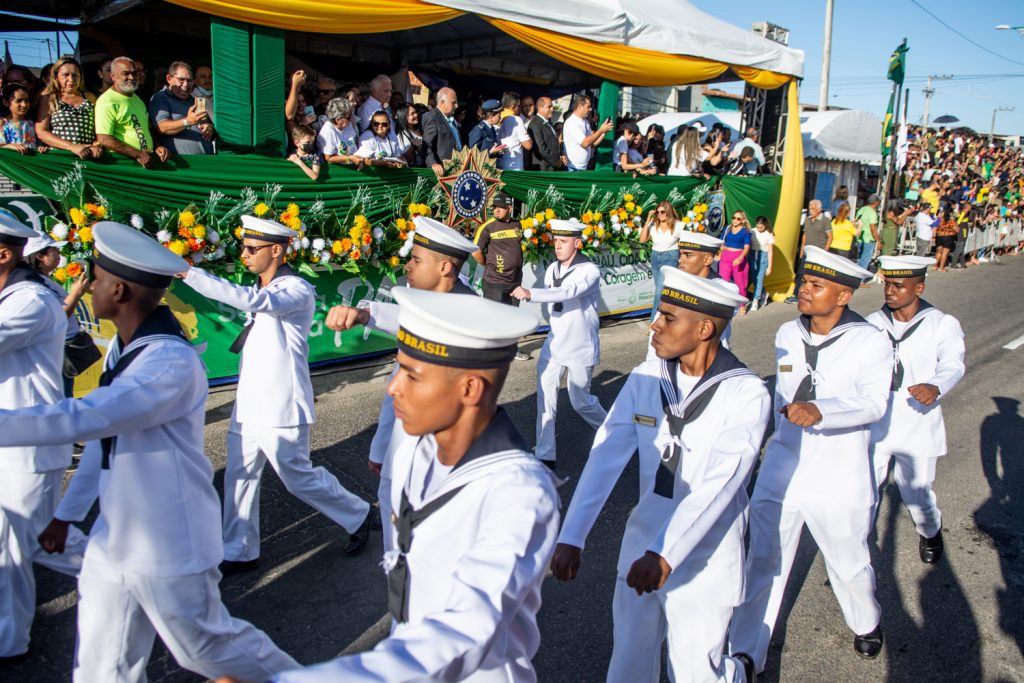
[(38, 242), (266, 230), (13, 232), (833, 267), (904, 266), (134, 256), (566, 228), (459, 330), (437, 236), (715, 297), (699, 241)]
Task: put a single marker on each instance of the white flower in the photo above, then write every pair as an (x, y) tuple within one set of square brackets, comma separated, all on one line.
[(615, 218), (212, 236), (305, 243), (691, 214), (164, 236), (378, 234), (600, 224), (63, 263), (616, 228), (407, 247), (528, 233), (218, 253), (319, 243), (597, 243), (325, 256), (136, 221), (60, 231)]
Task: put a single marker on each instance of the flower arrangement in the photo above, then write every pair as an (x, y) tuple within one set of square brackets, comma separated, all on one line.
[(537, 212), (185, 234), (691, 207)]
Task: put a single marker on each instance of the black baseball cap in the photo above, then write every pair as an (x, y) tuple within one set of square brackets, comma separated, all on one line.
[(502, 199)]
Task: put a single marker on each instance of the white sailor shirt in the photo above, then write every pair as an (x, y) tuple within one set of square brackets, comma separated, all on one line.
[(573, 302)]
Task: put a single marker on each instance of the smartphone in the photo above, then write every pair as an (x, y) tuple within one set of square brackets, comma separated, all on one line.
[(200, 105)]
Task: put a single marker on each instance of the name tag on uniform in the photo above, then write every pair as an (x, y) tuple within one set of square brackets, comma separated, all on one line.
[(645, 420), (785, 368)]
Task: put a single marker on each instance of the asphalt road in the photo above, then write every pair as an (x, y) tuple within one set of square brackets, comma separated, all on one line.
[(960, 620)]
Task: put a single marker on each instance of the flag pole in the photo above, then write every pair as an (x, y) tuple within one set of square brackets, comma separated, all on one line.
[(883, 176)]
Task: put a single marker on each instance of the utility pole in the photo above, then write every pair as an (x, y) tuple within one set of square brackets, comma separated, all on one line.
[(992, 133), (826, 57), (928, 92)]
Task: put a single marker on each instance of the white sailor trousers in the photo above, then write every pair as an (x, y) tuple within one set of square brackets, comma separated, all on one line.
[(775, 526), (696, 634), (549, 377), (250, 446), (120, 615), (28, 501), (914, 477)]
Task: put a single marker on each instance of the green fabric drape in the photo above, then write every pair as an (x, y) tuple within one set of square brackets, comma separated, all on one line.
[(607, 108), (267, 87), (185, 180), (232, 114)]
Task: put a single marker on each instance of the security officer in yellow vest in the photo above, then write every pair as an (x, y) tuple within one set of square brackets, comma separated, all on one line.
[(150, 567), (32, 327), (274, 402), (501, 253)]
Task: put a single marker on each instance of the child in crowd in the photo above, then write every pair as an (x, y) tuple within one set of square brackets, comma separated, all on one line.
[(761, 247), (306, 156), (18, 132)]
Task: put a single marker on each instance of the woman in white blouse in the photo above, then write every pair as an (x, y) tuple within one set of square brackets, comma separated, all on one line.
[(687, 153), (662, 228)]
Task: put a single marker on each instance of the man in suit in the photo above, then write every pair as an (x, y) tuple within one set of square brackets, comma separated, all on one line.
[(547, 152), (440, 134)]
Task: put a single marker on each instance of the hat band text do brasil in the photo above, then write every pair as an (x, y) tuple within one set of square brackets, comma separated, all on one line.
[(439, 353), (675, 297)]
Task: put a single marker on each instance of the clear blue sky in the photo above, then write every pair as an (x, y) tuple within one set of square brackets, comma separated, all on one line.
[(864, 34)]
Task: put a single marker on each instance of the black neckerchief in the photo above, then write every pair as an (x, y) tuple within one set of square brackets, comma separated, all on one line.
[(461, 287), (682, 410), (500, 435), (236, 346), (557, 280), (161, 322), (924, 310), (807, 389)]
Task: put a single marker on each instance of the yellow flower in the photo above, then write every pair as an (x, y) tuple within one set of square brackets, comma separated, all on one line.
[(600, 233), (60, 275), (400, 224), (526, 223), (179, 247), (588, 231), (336, 247), (186, 219), (238, 232), (588, 217), (627, 197), (394, 261), (523, 246), (549, 213), (597, 216), (295, 223), (361, 222), (261, 209), (77, 217), (355, 233), (630, 206), (85, 235), (539, 217), (293, 209), (199, 232)]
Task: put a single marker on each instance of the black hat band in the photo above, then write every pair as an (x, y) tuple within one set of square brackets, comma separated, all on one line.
[(427, 243), (12, 240), (675, 297), (125, 272), (439, 353), (826, 273), (904, 272), (694, 246), (266, 237), (566, 233)]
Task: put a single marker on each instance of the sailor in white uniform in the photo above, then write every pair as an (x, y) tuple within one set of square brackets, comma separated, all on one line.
[(697, 416), (572, 289), (437, 255), (928, 361), (697, 251), (32, 330), (833, 373), (273, 410), (151, 563), (477, 514)]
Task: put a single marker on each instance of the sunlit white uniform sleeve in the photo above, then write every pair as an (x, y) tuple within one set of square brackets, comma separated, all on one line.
[(867, 405), (272, 300), (572, 288), (383, 317), (950, 343), (613, 447), (495, 575), (731, 460), (84, 487)]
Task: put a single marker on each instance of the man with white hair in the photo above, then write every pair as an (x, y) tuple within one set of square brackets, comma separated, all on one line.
[(379, 100), (440, 133), (122, 122), (817, 227)]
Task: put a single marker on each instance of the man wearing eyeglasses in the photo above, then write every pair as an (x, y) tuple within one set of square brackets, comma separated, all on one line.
[(273, 410), (122, 122), (379, 100), (182, 122), (378, 145)]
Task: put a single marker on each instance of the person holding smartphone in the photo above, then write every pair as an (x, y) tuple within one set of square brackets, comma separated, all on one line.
[(180, 119), (580, 139)]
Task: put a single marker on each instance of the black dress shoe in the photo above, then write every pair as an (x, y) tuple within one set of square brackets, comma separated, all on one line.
[(748, 666), (930, 549), (357, 540), (231, 567), (868, 646)]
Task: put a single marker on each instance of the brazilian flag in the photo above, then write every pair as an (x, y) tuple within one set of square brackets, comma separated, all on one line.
[(887, 126), (898, 63)]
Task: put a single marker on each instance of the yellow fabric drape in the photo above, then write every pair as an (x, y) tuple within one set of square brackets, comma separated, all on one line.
[(791, 201), (323, 16), (619, 63), (759, 78)]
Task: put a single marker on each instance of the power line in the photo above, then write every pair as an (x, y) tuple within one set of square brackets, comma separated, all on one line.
[(969, 40)]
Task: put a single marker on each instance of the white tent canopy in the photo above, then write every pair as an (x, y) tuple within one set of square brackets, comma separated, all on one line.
[(848, 135), (668, 26)]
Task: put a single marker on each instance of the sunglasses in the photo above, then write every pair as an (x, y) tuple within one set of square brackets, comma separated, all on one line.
[(380, 124), (253, 250), (661, 210)]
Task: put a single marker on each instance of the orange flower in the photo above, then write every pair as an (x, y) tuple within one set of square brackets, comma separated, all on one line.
[(74, 269), (367, 238), (355, 255), (346, 244), (533, 240), (184, 232), (403, 235)]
